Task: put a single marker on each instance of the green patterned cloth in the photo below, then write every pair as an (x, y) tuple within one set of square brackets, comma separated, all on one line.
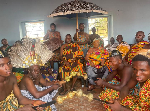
[(10, 103)]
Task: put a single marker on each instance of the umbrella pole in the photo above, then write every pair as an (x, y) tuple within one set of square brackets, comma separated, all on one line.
[(77, 23)]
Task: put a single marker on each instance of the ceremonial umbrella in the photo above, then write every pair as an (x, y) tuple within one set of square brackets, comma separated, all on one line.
[(77, 8)]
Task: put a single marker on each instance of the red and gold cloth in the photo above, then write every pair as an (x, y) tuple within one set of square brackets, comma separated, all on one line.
[(140, 102), (109, 94), (97, 56), (123, 48), (70, 52)]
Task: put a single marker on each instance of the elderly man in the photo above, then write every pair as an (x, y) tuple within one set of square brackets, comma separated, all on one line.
[(140, 43), (30, 86), (71, 65)]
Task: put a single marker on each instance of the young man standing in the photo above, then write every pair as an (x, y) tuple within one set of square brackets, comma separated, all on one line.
[(53, 40), (82, 39)]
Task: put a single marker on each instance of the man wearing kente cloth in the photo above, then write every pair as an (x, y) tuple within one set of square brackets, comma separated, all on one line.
[(82, 39), (96, 66), (138, 46), (118, 78), (71, 66), (11, 96), (123, 47), (51, 35), (141, 75)]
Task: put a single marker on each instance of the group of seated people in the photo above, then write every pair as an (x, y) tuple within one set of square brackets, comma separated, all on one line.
[(122, 70)]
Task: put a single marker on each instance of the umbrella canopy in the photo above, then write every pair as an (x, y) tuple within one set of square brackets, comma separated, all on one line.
[(82, 8)]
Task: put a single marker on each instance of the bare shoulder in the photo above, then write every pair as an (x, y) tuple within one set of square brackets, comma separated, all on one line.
[(26, 78), (13, 78), (127, 68), (86, 34)]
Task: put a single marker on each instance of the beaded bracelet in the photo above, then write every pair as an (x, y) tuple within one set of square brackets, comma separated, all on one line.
[(33, 102)]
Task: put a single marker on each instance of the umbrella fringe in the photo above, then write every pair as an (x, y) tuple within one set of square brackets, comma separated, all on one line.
[(77, 11)]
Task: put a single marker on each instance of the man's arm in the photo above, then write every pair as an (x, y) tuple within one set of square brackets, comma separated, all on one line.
[(47, 35), (32, 89), (21, 99), (111, 75), (126, 75), (75, 37), (58, 34), (125, 90)]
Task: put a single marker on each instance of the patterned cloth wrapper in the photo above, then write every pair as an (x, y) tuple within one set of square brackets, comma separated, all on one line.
[(140, 102), (47, 98), (70, 52), (108, 93), (10, 103), (123, 48), (55, 57), (19, 73), (19, 76), (137, 47), (82, 38), (49, 77), (54, 43), (97, 56), (99, 71)]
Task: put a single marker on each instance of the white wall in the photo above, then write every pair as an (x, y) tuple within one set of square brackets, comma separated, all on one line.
[(129, 16)]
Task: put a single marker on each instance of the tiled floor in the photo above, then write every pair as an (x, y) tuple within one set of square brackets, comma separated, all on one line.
[(81, 103)]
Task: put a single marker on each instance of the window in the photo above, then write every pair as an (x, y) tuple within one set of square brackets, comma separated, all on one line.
[(101, 25), (33, 29)]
